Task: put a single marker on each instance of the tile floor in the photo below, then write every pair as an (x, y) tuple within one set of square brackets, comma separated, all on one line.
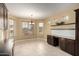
[(37, 48)]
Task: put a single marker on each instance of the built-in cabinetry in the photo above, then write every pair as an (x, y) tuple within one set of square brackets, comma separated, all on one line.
[(65, 44), (77, 33), (62, 43), (52, 40), (68, 42), (70, 46), (65, 32), (49, 39)]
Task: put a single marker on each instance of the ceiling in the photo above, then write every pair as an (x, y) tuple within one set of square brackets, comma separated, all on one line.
[(38, 10)]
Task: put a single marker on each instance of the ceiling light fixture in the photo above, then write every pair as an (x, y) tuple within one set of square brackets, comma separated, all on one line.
[(31, 20)]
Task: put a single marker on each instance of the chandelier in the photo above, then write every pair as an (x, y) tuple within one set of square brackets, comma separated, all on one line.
[(31, 22)]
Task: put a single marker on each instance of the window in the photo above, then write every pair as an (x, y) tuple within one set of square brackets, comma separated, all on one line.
[(41, 25), (24, 25), (11, 29), (27, 26)]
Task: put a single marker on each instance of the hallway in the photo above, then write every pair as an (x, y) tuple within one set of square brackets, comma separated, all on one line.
[(37, 48)]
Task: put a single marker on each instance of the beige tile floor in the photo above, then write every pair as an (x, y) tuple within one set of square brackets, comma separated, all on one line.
[(37, 48)]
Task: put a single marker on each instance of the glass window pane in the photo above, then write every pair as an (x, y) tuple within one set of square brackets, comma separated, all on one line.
[(41, 24), (24, 24)]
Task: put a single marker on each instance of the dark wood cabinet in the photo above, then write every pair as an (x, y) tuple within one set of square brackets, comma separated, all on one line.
[(62, 43), (69, 46), (65, 44), (77, 33), (49, 39), (53, 40)]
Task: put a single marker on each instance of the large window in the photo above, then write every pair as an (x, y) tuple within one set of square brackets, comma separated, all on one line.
[(24, 25), (27, 29), (28, 26)]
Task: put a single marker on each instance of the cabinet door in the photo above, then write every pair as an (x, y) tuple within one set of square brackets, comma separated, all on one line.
[(55, 41), (49, 39), (70, 46), (62, 43)]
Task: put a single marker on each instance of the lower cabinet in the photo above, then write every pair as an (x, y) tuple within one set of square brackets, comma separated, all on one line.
[(62, 43), (67, 45), (70, 46), (53, 40), (49, 39)]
